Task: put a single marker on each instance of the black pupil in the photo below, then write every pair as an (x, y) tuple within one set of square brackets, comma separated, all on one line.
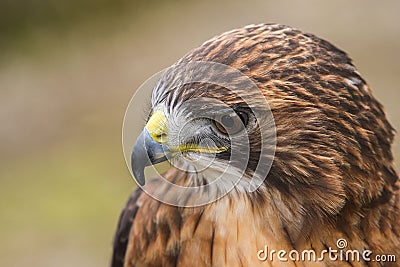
[(243, 117)]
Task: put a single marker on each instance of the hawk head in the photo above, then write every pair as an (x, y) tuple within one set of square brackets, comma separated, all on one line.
[(276, 114)]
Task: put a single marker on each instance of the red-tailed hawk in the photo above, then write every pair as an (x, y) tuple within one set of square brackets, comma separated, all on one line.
[(328, 184)]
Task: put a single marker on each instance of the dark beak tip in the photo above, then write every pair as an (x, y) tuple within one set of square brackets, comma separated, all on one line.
[(139, 159), (139, 177), (141, 183), (145, 152), (138, 172)]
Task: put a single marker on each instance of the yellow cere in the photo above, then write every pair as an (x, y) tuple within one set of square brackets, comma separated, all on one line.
[(158, 127)]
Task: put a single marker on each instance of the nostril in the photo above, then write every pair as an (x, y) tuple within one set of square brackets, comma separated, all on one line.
[(161, 137)]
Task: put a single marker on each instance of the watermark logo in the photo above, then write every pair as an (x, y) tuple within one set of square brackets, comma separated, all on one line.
[(340, 253), (341, 243)]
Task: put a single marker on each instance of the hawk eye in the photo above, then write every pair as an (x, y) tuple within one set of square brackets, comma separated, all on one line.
[(231, 123)]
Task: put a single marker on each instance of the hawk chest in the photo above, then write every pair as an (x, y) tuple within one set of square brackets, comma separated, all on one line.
[(228, 232)]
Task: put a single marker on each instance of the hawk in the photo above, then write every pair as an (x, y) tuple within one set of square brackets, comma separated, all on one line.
[(326, 173)]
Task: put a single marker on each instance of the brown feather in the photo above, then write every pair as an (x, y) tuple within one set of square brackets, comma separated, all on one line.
[(332, 175)]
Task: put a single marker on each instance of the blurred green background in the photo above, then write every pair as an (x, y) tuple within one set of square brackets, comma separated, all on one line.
[(67, 72)]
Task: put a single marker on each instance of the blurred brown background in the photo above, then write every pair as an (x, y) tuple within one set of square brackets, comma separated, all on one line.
[(67, 72)]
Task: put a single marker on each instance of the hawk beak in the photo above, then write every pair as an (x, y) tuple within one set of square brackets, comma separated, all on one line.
[(150, 146), (146, 152)]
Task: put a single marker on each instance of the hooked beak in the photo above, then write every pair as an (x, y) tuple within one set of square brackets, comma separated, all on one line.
[(151, 146), (146, 152)]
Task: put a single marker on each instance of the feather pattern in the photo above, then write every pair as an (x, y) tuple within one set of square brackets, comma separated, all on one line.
[(332, 176)]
